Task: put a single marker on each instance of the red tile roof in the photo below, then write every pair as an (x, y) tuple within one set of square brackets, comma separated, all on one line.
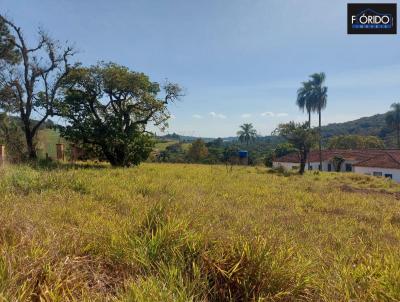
[(389, 160), (365, 158)]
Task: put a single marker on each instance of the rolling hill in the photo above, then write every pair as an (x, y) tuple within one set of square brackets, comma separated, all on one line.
[(371, 125)]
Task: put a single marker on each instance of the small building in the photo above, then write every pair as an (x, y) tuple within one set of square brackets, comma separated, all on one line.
[(384, 163)]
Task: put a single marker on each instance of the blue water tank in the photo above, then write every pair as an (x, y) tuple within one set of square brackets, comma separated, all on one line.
[(243, 153)]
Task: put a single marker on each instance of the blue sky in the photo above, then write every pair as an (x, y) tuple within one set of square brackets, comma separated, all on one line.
[(238, 60)]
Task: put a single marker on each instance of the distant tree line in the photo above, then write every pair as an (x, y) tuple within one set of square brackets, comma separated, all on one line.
[(355, 142), (219, 151), (213, 152)]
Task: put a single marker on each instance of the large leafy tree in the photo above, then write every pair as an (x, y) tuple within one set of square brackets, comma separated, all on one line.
[(30, 77), (283, 149), (393, 120), (301, 137), (247, 133), (109, 106), (198, 150)]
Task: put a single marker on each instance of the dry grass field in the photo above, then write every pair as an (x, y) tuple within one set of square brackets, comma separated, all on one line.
[(163, 232)]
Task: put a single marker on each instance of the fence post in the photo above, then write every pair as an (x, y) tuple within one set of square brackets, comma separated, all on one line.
[(60, 152), (74, 156), (2, 154)]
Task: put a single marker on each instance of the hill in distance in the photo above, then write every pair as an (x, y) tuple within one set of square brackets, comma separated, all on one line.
[(372, 125)]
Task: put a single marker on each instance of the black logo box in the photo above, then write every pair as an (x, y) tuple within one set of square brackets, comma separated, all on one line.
[(382, 8)]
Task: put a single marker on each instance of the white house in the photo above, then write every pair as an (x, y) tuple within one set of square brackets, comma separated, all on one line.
[(385, 163)]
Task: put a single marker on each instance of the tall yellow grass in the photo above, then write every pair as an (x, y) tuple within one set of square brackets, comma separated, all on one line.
[(163, 232)]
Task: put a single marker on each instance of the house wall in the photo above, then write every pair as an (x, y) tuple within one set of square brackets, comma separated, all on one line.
[(361, 170), (370, 170), (343, 167), (315, 165)]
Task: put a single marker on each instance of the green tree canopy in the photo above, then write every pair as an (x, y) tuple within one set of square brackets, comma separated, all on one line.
[(301, 137), (355, 142), (109, 106), (393, 120), (197, 150), (283, 149), (12, 137)]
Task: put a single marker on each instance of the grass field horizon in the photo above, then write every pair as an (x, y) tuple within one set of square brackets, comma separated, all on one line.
[(181, 232)]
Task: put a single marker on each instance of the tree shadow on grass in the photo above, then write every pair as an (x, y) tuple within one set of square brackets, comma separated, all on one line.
[(280, 171), (46, 165)]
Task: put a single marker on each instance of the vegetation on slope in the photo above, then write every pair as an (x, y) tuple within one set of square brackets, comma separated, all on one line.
[(372, 125), (163, 232)]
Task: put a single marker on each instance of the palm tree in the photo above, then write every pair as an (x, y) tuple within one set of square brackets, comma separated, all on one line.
[(393, 120), (320, 97), (304, 99), (313, 97), (247, 133)]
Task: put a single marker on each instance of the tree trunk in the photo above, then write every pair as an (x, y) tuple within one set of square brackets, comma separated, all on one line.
[(303, 159), (29, 136), (302, 166), (115, 157), (320, 139)]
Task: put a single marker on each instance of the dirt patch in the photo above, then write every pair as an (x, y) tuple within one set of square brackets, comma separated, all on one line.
[(347, 188)]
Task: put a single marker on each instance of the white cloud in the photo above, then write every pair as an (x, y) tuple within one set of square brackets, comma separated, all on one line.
[(245, 115), (268, 113), (217, 115), (273, 114), (197, 116)]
